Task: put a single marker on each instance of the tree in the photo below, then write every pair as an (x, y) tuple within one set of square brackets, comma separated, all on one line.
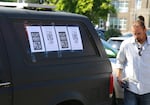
[(94, 9)]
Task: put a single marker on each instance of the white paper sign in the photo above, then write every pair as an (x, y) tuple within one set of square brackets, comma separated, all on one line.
[(35, 39), (63, 38), (50, 39), (75, 38)]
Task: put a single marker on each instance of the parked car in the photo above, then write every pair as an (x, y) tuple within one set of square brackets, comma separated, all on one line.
[(112, 53), (51, 58), (128, 34), (148, 32), (101, 33), (115, 42)]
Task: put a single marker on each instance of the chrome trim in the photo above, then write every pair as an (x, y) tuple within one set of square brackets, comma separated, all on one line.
[(5, 84)]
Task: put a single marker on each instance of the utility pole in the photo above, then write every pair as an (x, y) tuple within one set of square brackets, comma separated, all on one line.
[(108, 21)]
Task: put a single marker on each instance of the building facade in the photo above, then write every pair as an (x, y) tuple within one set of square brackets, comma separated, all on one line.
[(127, 12)]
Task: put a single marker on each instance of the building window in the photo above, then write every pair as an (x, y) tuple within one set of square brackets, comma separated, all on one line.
[(149, 22), (117, 23), (114, 23), (101, 24), (138, 4), (123, 24), (121, 6)]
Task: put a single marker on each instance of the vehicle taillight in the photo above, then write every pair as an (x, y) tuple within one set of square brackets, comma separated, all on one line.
[(111, 86)]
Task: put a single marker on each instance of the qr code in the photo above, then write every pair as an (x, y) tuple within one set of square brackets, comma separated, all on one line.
[(50, 37), (75, 36), (36, 40), (63, 40)]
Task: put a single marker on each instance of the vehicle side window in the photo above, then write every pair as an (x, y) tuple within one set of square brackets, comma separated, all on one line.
[(89, 48)]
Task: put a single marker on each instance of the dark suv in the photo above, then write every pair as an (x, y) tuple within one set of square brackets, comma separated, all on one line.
[(51, 58)]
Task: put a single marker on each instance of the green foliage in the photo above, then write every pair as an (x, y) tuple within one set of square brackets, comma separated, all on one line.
[(112, 33), (94, 9)]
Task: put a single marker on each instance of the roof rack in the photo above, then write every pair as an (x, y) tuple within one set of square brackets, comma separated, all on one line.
[(25, 5)]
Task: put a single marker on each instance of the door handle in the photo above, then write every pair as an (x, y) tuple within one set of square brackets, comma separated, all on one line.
[(6, 84)]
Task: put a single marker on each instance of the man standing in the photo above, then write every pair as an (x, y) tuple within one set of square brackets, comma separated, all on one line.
[(134, 58)]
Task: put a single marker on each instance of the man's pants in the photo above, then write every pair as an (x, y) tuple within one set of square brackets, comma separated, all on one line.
[(131, 98)]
